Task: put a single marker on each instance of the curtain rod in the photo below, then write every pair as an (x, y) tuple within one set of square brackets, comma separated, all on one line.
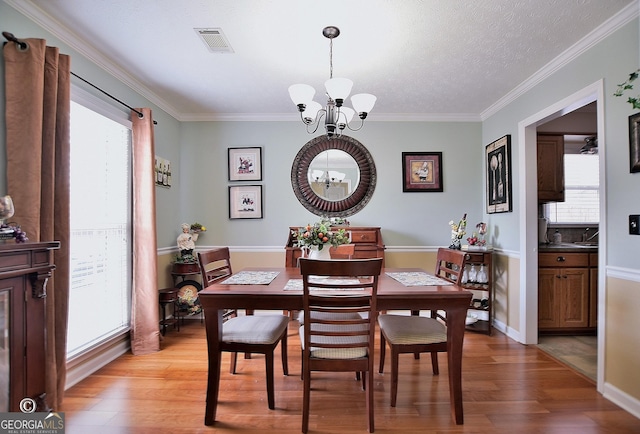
[(23, 46)]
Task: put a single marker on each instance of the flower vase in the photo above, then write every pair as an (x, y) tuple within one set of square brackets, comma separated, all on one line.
[(323, 254)]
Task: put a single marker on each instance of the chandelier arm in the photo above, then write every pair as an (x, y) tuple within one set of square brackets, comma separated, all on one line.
[(356, 129), (316, 122)]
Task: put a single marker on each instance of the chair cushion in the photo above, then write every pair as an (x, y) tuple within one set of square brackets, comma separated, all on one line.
[(337, 353), (412, 330), (254, 329)]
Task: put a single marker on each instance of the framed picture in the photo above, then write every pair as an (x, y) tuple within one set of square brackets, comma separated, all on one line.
[(634, 142), (422, 171), (245, 202), (162, 174), (245, 164), (499, 185)]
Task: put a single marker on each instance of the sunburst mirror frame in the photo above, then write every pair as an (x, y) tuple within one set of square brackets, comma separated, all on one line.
[(340, 208)]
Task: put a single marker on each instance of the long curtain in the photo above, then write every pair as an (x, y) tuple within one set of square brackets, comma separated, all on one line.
[(37, 89), (145, 334)]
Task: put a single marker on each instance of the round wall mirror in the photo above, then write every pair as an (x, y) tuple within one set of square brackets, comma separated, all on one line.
[(333, 177)]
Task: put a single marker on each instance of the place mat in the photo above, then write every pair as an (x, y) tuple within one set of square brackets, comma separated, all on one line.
[(296, 284), (418, 278), (251, 278)]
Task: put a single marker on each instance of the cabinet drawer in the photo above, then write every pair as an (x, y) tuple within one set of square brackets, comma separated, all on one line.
[(563, 260), (474, 258), (364, 237)]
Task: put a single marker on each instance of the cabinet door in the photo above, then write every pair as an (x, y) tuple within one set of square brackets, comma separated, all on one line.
[(548, 279), (550, 168), (574, 297)]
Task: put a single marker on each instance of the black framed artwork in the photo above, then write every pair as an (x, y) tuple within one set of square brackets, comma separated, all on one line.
[(422, 172), (634, 143), (245, 164), (245, 202), (499, 185)]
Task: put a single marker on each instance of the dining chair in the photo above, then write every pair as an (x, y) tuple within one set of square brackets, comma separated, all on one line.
[(342, 251), (257, 334), (416, 334), (331, 340)]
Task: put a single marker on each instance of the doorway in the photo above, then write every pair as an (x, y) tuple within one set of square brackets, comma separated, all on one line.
[(573, 217), (527, 138)]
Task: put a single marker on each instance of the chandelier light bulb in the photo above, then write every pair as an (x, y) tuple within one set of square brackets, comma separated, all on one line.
[(363, 103), (346, 114), (311, 111), (338, 89), (301, 93)]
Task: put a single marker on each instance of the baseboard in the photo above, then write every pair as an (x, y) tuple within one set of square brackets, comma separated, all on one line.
[(622, 399), (82, 367)]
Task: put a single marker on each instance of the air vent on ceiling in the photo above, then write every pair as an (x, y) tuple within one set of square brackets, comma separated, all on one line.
[(215, 40)]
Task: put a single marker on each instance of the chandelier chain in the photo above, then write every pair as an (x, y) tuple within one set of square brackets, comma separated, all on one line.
[(331, 58)]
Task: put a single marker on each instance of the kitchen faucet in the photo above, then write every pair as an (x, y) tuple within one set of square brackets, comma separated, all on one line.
[(586, 237)]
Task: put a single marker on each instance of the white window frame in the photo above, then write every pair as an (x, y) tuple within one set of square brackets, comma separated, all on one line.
[(109, 111)]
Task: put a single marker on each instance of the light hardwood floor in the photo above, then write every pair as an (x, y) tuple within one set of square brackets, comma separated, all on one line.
[(507, 387)]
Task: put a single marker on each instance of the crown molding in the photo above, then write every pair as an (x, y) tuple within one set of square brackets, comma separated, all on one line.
[(626, 15), (75, 41)]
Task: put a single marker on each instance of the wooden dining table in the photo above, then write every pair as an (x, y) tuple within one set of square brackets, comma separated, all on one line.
[(392, 295)]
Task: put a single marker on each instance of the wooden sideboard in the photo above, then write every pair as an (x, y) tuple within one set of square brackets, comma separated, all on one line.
[(368, 242), (24, 271)]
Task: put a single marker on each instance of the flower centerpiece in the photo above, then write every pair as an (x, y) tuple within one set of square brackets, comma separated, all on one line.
[(458, 230), (316, 237)]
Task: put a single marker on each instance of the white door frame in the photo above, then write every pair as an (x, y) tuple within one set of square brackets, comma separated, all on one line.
[(528, 202)]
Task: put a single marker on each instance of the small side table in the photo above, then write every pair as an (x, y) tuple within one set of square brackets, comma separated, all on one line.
[(169, 296), (184, 271)]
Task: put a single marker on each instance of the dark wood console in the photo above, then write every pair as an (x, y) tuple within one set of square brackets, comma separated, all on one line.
[(367, 240), (24, 271)]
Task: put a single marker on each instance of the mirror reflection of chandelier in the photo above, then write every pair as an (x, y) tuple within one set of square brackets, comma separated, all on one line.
[(336, 116), (327, 177)]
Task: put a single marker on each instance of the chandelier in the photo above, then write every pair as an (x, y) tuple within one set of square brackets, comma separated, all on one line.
[(336, 116)]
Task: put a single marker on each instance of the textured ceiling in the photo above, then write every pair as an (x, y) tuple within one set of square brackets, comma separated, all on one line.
[(420, 58)]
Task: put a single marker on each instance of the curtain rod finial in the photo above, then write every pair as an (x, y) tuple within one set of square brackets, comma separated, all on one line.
[(11, 38)]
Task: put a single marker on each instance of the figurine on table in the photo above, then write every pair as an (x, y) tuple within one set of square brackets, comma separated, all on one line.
[(187, 240)]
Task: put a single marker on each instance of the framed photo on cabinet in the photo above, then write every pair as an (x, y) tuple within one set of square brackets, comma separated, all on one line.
[(245, 202), (422, 172), (245, 164), (499, 185)]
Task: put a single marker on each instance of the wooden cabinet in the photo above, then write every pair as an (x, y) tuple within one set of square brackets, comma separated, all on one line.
[(367, 240), (550, 168), (482, 300), (24, 271), (564, 292)]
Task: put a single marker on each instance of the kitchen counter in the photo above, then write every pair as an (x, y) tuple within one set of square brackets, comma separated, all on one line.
[(569, 247)]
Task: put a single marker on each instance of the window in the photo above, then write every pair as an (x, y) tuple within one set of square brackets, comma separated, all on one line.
[(582, 199), (100, 287)]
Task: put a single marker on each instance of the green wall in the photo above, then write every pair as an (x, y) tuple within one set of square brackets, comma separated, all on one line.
[(407, 219)]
